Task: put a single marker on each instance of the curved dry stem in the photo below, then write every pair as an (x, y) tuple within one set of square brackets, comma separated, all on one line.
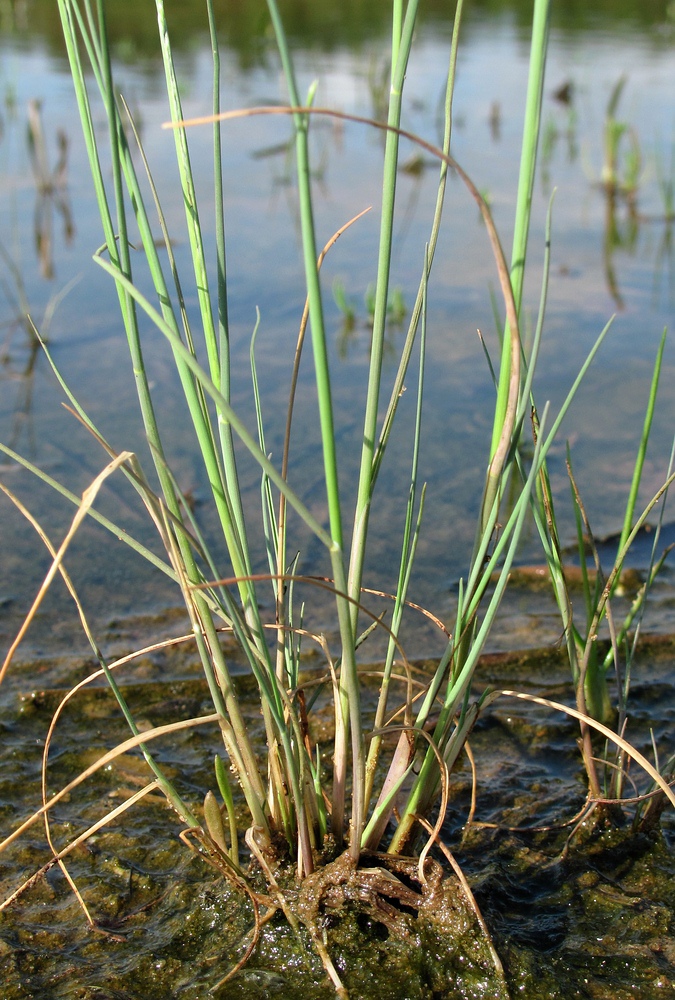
[(210, 851), (88, 498), (414, 607), (121, 748), (471, 899), (594, 724), (153, 647), (504, 443), (588, 805), (325, 584), (255, 935), (89, 832)]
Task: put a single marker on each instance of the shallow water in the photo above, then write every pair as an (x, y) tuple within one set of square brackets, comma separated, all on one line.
[(600, 266)]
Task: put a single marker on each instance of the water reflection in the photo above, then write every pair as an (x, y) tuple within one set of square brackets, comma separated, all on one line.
[(625, 176), (21, 351), (325, 24), (612, 248), (51, 189)]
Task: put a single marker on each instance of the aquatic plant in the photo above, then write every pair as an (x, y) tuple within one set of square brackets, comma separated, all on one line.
[(621, 166), (596, 673), (377, 797), (665, 175)]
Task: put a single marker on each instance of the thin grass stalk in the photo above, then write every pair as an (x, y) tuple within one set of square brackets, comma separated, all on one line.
[(197, 405), (316, 317), (350, 690), (655, 566), (238, 424), (219, 210), (509, 376), (284, 604), (591, 693), (595, 695), (530, 363), (408, 548), (466, 647), (423, 789), (555, 427), (349, 717), (118, 152), (531, 129), (227, 500), (208, 646), (406, 571), (194, 395), (276, 797), (232, 491), (635, 615), (233, 729), (266, 680), (623, 551), (406, 353), (401, 48), (189, 198), (103, 72), (644, 440), (545, 521)]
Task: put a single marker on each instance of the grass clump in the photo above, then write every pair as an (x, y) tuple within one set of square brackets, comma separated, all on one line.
[(312, 825)]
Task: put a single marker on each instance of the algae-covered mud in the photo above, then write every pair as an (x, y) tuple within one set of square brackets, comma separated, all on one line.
[(572, 910)]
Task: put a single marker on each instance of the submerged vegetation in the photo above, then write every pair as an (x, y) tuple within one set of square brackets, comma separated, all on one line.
[(303, 818)]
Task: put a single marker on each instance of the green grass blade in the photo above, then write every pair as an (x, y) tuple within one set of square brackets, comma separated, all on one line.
[(535, 90), (644, 440)]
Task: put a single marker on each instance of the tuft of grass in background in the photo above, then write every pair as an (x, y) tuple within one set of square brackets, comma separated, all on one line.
[(622, 163), (380, 794)]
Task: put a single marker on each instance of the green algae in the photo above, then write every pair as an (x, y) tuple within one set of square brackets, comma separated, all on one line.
[(588, 918)]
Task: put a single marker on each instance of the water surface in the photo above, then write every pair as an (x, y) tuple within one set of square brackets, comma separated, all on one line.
[(605, 261)]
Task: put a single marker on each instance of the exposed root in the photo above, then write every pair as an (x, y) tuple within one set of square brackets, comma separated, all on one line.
[(389, 889)]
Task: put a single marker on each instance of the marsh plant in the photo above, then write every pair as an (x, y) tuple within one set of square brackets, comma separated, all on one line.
[(382, 791)]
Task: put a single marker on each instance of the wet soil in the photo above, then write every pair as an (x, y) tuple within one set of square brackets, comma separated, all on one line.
[(573, 911)]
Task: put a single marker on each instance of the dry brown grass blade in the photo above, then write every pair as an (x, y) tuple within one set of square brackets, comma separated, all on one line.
[(223, 863), (89, 832), (88, 498), (500, 259), (415, 607), (69, 584), (316, 581), (504, 442), (117, 751), (580, 815), (614, 737)]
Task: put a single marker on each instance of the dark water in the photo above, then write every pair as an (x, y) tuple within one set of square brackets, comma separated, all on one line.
[(606, 259)]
